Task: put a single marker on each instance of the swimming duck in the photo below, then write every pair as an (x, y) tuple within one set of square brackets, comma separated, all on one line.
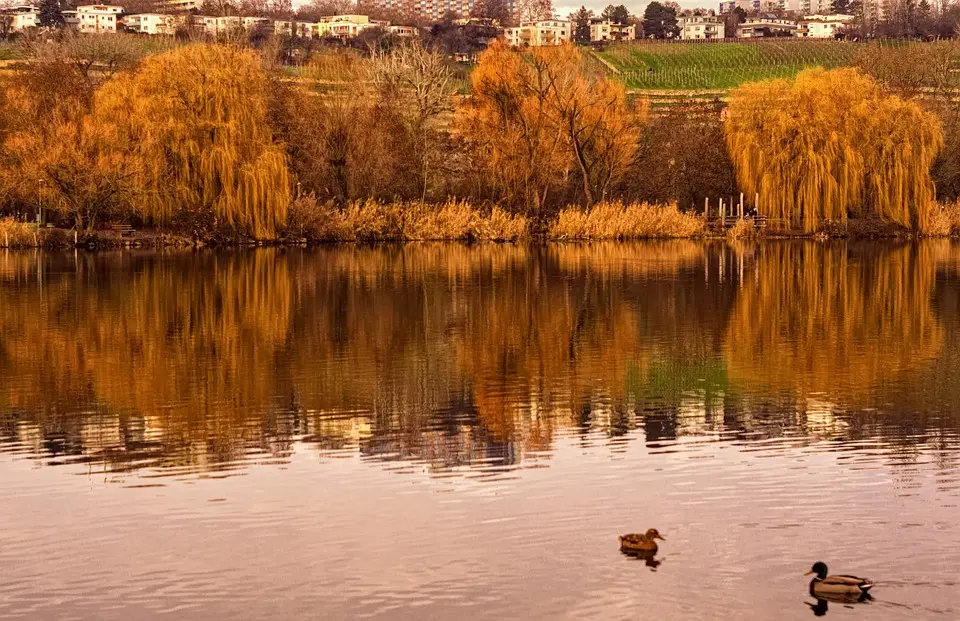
[(824, 585), (636, 542)]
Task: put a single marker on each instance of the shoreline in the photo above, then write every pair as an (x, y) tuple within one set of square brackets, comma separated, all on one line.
[(63, 239)]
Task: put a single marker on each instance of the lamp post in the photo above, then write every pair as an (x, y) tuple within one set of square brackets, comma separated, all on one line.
[(39, 203)]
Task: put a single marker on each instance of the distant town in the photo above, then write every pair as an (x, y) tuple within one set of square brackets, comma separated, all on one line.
[(521, 23)]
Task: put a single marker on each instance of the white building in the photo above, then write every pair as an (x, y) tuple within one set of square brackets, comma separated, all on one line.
[(183, 5), (344, 26), (249, 23), (603, 30), (403, 31), (700, 27), (293, 28), (810, 7), (545, 32), (154, 23), (824, 26), (229, 24), (93, 18), (212, 25), (22, 17), (756, 27)]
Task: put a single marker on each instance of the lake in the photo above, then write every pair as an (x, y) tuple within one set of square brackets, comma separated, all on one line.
[(438, 431)]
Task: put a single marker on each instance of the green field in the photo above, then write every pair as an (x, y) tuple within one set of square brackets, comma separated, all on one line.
[(721, 66)]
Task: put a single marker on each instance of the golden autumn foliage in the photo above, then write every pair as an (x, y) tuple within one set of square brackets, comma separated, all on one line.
[(194, 359), (830, 144), (206, 351), (56, 152), (824, 319), (199, 119), (539, 117)]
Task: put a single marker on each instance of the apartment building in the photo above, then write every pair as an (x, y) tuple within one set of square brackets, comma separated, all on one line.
[(754, 5), (228, 24), (875, 10), (403, 31), (544, 32), (431, 9), (183, 5), (343, 26), (154, 23), (824, 26), (603, 30), (22, 17), (700, 27), (810, 7), (292, 28), (756, 27), (94, 18), (249, 23), (217, 25)]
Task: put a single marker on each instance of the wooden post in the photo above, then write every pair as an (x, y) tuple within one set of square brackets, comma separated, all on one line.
[(6, 238), (74, 238), (706, 208), (741, 205), (723, 214)]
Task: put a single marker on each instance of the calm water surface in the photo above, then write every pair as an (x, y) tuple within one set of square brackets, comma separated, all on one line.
[(446, 432)]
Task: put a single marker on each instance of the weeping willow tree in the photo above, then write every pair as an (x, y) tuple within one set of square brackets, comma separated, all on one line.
[(829, 144), (904, 145), (200, 119)]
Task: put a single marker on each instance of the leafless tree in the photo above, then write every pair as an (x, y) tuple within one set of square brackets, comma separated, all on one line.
[(532, 10), (416, 85)]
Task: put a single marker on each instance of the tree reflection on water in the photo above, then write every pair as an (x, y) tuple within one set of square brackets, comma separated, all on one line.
[(481, 357)]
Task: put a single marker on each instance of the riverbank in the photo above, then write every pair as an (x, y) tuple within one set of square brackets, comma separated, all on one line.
[(312, 223)]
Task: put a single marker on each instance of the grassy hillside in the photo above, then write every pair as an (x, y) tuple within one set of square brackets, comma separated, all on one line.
[(721, 66)]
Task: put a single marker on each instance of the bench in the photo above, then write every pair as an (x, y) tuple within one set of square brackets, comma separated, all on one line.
[(122, 229)]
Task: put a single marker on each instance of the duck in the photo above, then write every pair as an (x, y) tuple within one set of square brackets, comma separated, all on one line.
[(837, 586), (637, 542)]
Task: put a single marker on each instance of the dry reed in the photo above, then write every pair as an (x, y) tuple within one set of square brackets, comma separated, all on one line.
[(744, 228), (614, 220), (945, 220), (14, 234), (403, 221)]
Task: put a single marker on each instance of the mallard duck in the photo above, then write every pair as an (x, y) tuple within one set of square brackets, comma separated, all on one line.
[(636, 542), (824, 585)]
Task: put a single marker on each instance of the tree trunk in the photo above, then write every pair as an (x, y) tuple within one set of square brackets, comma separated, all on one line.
[(581, 161)]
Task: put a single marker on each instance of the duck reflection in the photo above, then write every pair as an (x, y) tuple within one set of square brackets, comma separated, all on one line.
[(648, 556), (822, 605)]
